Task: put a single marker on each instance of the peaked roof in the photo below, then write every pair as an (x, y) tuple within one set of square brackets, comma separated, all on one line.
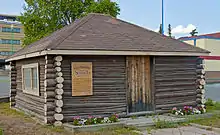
[(209, 36), (105, 33)]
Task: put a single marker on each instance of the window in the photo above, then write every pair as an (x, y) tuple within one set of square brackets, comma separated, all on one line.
[(30, 79), (6, 53), (8, 29), (9, 41)]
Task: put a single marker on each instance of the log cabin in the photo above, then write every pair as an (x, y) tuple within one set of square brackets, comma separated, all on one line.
[(100, 65)]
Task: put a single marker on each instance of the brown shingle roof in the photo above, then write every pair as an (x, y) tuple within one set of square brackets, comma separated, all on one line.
[(103, 32)]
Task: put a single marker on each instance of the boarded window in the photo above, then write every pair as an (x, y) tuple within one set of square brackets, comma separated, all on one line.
[(30, 80), (81, 78)]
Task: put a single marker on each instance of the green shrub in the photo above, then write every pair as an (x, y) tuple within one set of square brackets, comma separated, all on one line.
[(209, 102)]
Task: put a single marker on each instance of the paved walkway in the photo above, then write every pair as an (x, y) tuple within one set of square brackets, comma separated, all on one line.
[(182, 131)]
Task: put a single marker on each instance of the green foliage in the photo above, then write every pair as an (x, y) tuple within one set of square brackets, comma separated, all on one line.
[(41, 17), (169, 30), (164, 124), (209, 102), (1, 131), (193, 32), (134, 117)]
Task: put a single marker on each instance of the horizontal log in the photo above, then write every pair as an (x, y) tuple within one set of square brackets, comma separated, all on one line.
[(58, 69), (49, 61), (59, 74), (173, 94), (94, 105), (50, 71), (59, 91), (50, 82), (49, 119), (200, 71), (31, 98), (58, 123), (59, 86), (30, 107), (175, 104), (202, 96), (202, 91), (60, 79), (201, 81), (200, 100), (58, 58), (49, 94), (58, 109), (200, 76), (110, 93), (200, 86), (58, 117), (49, 66), (50, 76), (202, 66), (57, 64), (50, 113), (49, 106), (59, 103), (59, 97)]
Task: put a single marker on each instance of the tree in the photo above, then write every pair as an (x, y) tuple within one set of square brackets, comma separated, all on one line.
[(193, 32), (160, 29), (169, 30), (42, 17)]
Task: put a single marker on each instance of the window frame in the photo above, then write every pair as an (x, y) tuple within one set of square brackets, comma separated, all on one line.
[(31, 91)]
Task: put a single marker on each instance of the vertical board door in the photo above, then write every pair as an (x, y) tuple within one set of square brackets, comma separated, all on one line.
[(139, 87)]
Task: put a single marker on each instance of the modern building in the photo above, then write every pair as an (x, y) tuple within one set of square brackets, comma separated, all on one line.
[(210, 42), (11, 35)]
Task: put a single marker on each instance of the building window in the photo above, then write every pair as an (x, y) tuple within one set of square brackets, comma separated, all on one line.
[(6, 53), (14, 30), (9, 41), (30, 79)]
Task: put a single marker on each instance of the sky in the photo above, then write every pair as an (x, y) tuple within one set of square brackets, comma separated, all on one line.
[(183, 15)]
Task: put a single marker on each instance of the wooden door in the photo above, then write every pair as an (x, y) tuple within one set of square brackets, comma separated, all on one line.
[(139, 86)]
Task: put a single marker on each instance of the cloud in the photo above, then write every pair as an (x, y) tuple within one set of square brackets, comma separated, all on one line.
[(180, 29)]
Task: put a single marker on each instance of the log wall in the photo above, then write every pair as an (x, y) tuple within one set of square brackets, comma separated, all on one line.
[(175, 82), (27, 101), (109, 87)]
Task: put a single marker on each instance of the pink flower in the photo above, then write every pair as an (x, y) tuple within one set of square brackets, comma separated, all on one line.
[(90, 117), (76, 117), (174, 108)]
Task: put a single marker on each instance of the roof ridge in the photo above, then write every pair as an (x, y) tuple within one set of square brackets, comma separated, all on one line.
[(82, 22)]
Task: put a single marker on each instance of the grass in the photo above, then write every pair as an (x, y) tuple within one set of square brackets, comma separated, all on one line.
[(1, 131), (159, 124)]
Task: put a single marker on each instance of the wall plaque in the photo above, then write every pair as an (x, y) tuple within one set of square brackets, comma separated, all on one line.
[(81, 78)]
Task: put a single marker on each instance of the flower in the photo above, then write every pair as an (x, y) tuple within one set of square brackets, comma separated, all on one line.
[(174, 108), (176, 113)]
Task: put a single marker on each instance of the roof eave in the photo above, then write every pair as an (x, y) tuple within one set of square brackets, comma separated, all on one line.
[(104, 52)]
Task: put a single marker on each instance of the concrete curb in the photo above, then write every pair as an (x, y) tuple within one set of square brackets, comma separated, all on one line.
[(93, 128), (205, 127), (4, 99)]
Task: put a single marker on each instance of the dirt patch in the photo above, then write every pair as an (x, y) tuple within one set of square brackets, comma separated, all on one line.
[(17, 123)]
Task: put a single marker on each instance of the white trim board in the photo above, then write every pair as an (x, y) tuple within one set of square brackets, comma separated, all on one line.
[(91, 52)]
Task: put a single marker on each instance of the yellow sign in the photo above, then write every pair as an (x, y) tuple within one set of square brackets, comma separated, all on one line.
[(81, 78)]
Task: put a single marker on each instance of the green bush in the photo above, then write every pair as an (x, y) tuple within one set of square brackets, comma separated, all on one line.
[(209, 102)]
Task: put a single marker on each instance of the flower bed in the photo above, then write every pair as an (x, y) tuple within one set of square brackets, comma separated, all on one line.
[(189, 110), (91, 120)]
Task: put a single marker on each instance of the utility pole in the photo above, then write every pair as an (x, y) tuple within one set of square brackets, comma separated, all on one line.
[(162, 17)]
